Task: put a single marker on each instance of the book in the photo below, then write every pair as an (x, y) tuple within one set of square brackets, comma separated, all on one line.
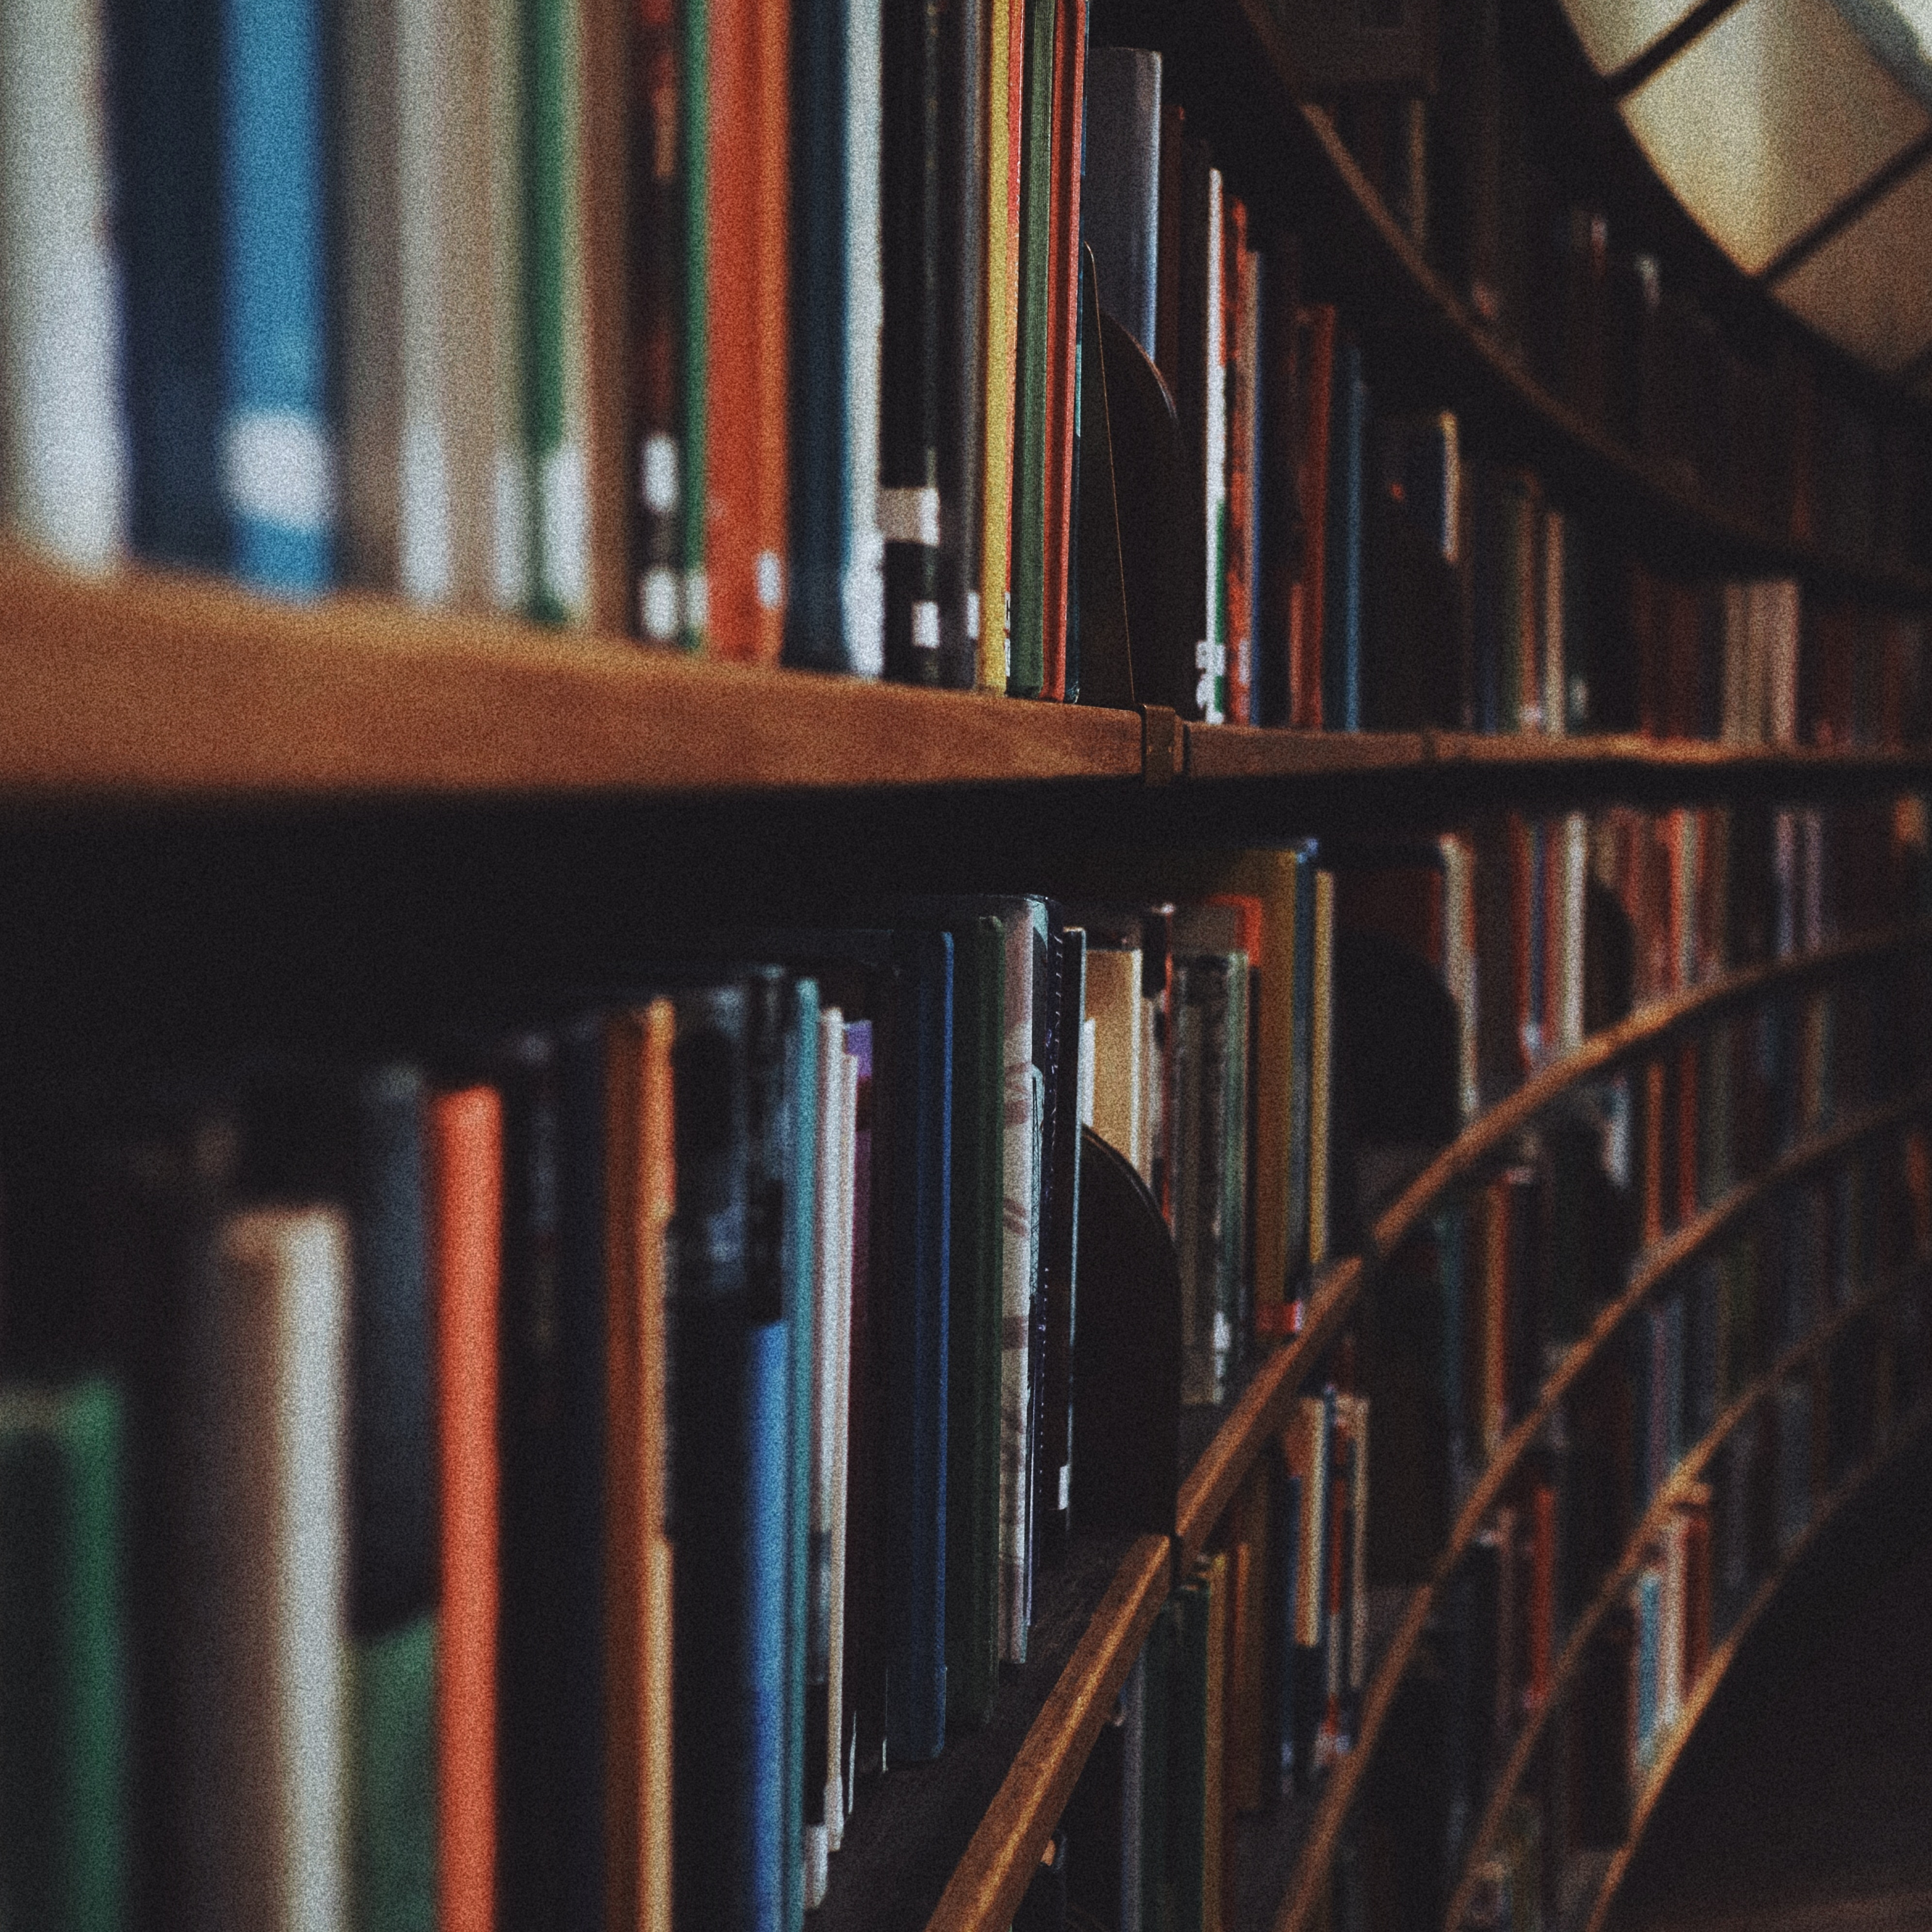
[(277, 458), (1060, 1240), (1005, 72), (65, 1748), (1342, 550), (746, 78), (1060, 673), (464, 1134), (1030, 590), (265, 1806), (641, 1198), (1120, 207), (393, 1460), (962, 295), (64, 463)]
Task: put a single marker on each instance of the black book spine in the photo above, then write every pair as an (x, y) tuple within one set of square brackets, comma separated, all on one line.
[(912, 375), (960, 297), (1054, 1464)]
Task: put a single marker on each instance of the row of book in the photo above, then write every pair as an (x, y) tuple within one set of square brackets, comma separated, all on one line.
[(1449, 1351), (1478, 165)]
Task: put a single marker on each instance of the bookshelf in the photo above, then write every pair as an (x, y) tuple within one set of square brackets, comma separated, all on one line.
[(391, 739)]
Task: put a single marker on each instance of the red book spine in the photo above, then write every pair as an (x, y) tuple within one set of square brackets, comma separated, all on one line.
[(1542, 1633), (745, 391), (465, 1177), (1241, 315), (1069, 91)]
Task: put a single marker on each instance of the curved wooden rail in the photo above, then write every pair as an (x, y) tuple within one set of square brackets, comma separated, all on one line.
[(1689, 1470), (988, 1882), (1699, 1699), (1232, 67), (1303, 1905)]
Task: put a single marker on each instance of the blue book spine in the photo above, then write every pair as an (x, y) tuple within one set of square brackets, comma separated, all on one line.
[(1342, 646), (276, 461), (1649, 1656), (165, 72), (801, 1226), (821, 489), (916, 1493), (767, 1768), (579, 1582)]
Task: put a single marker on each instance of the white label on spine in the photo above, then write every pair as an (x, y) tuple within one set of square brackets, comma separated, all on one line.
[(657, 605), (910, 516), (513, 529), (865, 598), (658, 475), (279, 469), (425, 545), (925, 626), (771, 581), (973, 615), (565, 525), (696, 601)]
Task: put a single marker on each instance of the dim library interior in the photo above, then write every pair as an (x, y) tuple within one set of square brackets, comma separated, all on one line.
[(961, 966)]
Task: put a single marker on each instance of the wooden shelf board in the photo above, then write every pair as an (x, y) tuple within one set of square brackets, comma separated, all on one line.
[(1690, 1470), (1300, 1909), (989, 1880), (143, 684)]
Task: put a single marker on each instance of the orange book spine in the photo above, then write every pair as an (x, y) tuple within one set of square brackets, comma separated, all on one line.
[(1070, 88), (1653, 1152), (641, 1180), (1542, 1634), (466, 1180), (746, 439)]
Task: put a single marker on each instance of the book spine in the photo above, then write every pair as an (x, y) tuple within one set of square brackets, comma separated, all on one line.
[(1006, 63), (660, 178), (393, 1468), (510, 469), (1341, 640), (912, 513), (805, 1105), (916, 1395), (64, 463), (1032, 352), (553, 267), (63, 1811), (1054, 1484), (1120, 204), (264, 1771), (961, 295), (1070, 79), (1242, 280), (855, 1647), (864, 587), (465, 1166), (1308, 634), (443, 291), (277, 456), (745, 370)]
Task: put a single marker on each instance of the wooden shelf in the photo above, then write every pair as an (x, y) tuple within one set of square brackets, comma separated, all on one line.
[(146, 686), (1228, 63), (1689, 1470), (1601, 1891)]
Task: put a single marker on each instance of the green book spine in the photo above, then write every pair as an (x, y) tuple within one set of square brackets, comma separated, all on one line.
[(393, 1739), (801, 1235), (1026, 673), (973, 1352), (1228, 1341), (694, 345), (553, 268), (62, 1823)]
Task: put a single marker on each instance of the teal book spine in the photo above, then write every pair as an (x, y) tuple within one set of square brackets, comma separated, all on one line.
[(62, 1678)]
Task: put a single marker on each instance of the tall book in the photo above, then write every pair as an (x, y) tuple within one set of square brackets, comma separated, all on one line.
[(264, 1771), (912, 513), (639, 1198), (278, 463), (465, 1170), (1315, 370), (960, 294), (834, 614), (1069, 84), (1033, 356), (445, 297), (747, 281), (1121, 205), (64, 1796), (1342, 557), (556, 397), (64, 460), (1005, 76), (393, 1468)]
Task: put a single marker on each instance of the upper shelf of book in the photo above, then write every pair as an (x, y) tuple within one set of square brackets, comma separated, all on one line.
[(1228, 62), (144, 686)]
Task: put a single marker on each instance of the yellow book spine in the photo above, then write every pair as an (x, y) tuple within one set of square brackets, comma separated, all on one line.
[(1002, 327)]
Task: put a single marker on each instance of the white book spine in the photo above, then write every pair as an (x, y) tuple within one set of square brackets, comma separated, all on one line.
[(64, 475), (837, 1795), (865, 592), (1555, 682), (1213, 667), (510, 539)]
